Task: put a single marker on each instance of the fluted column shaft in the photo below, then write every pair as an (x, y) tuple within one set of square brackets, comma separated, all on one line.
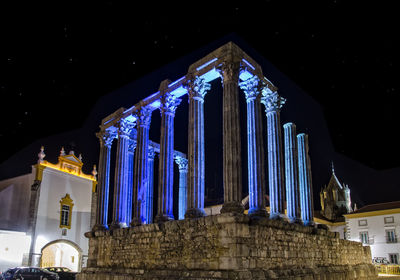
[(166, 158), (183, 171), (143, 116), (103, 184), (131, 164), (197, 89), (273, 102), (305, 180), (291, 174), (232, 162), (120, 210), (255, 148), (148, 207)]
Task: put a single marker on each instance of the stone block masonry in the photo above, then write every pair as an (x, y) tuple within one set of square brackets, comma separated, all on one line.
[(225, 246)]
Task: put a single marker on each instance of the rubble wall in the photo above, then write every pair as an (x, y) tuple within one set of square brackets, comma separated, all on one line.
[(225, 246)]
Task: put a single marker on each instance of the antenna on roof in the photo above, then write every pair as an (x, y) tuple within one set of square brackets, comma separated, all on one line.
[(333, 168)]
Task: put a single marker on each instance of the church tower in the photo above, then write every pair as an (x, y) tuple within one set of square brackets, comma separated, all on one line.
[(335, 198)]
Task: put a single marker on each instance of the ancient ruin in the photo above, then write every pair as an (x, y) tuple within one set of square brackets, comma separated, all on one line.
[(231, 245)]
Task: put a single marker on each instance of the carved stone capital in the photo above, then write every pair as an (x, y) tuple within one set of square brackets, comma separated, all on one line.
[(143, 116), (131, 145), (151, 153), (272, 101), (197, 88), (125, 128), (169, 103), (182, 164), (229, 71), (251, 88), (106, 137)]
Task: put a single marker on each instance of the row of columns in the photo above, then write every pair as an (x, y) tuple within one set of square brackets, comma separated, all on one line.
[(296, 169), (128, 199)]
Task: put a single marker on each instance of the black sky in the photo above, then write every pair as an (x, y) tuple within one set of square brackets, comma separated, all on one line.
[(58, 58)]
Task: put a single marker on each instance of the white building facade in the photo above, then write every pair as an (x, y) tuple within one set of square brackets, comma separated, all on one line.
[(377, 226), (45, 214)]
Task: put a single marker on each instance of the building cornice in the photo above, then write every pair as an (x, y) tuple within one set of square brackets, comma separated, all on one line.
[(372, 213)]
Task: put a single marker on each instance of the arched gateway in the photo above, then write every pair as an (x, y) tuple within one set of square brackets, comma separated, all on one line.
[(61, 253), (230, 245)]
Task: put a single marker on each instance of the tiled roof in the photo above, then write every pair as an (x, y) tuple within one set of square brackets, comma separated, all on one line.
[(378, 206)]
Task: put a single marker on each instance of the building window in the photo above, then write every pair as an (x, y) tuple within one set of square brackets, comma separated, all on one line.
[(394, 258), (389, 220), (364, 237), (66, 205), (391, 236), (362, 223)]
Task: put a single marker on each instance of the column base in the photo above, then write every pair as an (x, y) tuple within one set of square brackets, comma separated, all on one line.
[(295, 220), (162, 218), (135, 222), (115, 225), (278, 216), (98, 227), (258, 213), (232, 207), (194, 213), (309, 223)]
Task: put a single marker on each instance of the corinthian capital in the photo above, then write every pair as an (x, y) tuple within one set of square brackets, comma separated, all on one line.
[(143, 117), (125, 128), (251, 87), (182, 163), (169, 103), (230, 71), (197, 88), (272, 101), (106, 137)]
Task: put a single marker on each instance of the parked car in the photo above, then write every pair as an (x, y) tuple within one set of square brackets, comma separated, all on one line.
[(63, 272), (29, 273)]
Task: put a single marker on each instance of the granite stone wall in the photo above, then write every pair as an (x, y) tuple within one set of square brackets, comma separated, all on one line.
[(225, 246)]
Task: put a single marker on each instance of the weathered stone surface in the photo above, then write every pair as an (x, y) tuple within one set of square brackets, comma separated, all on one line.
[(226, 246)]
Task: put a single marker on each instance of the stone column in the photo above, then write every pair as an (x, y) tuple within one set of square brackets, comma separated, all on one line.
[(120, 210), (255, 148), (131, 155), (197, 89), (148, 207), (103, 183), (232, 162), (143, 119), (183, 170), (305, 180), (273, 103), (168, 106), (291, 174)]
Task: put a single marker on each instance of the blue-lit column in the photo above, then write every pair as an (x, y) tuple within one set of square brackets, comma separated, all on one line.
[(148, 202), (305, 180), (183, 170), (131, 153), (166, 159), (103, 182), (143, 119), (255, 148), (273, 103), (121, 176), (232, 161), (197, 89), (291, 174)]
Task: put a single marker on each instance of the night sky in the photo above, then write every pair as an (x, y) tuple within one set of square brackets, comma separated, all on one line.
[(59, 58)]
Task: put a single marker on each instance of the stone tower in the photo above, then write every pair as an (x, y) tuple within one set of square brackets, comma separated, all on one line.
[(335, 198)]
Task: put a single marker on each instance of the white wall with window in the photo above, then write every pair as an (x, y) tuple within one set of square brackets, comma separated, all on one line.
[(377, 226), (45, 214)]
